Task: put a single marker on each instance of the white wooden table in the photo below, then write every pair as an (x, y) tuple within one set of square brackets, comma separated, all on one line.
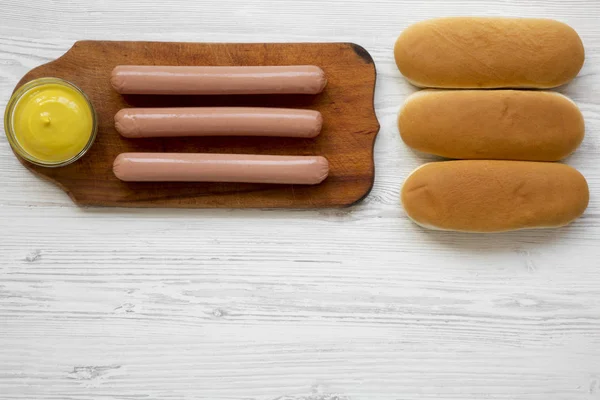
[(344, 304)]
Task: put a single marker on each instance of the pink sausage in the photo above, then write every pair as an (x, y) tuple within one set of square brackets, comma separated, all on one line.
[(148, 79), (197, 167), (218, 121)]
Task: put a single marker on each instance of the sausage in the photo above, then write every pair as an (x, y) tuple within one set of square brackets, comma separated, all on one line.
[(218, 121), (147, 79), (197, 167)]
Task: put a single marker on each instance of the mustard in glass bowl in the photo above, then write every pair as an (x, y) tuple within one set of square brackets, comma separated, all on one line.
[(50, 122)]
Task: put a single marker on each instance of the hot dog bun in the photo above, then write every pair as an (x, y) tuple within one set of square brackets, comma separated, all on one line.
[(494, 196), (469, 52), (492, 124)]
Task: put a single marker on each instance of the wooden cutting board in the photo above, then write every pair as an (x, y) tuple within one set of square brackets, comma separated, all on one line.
[(347, 139)]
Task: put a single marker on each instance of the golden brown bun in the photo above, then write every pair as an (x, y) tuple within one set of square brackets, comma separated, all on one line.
[(467, 52), (492, 124), (494, 196)]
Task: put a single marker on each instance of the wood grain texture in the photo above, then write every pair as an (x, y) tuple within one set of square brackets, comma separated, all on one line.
[(346, 140), (344, 304)]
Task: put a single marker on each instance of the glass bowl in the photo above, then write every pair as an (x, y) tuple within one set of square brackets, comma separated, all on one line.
[(9, 122)]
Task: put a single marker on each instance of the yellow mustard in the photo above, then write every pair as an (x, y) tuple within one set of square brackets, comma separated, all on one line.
[(52, 122)]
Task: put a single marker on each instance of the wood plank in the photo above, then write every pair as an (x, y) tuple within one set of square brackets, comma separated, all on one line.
[(346, 140), (340, 304)]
